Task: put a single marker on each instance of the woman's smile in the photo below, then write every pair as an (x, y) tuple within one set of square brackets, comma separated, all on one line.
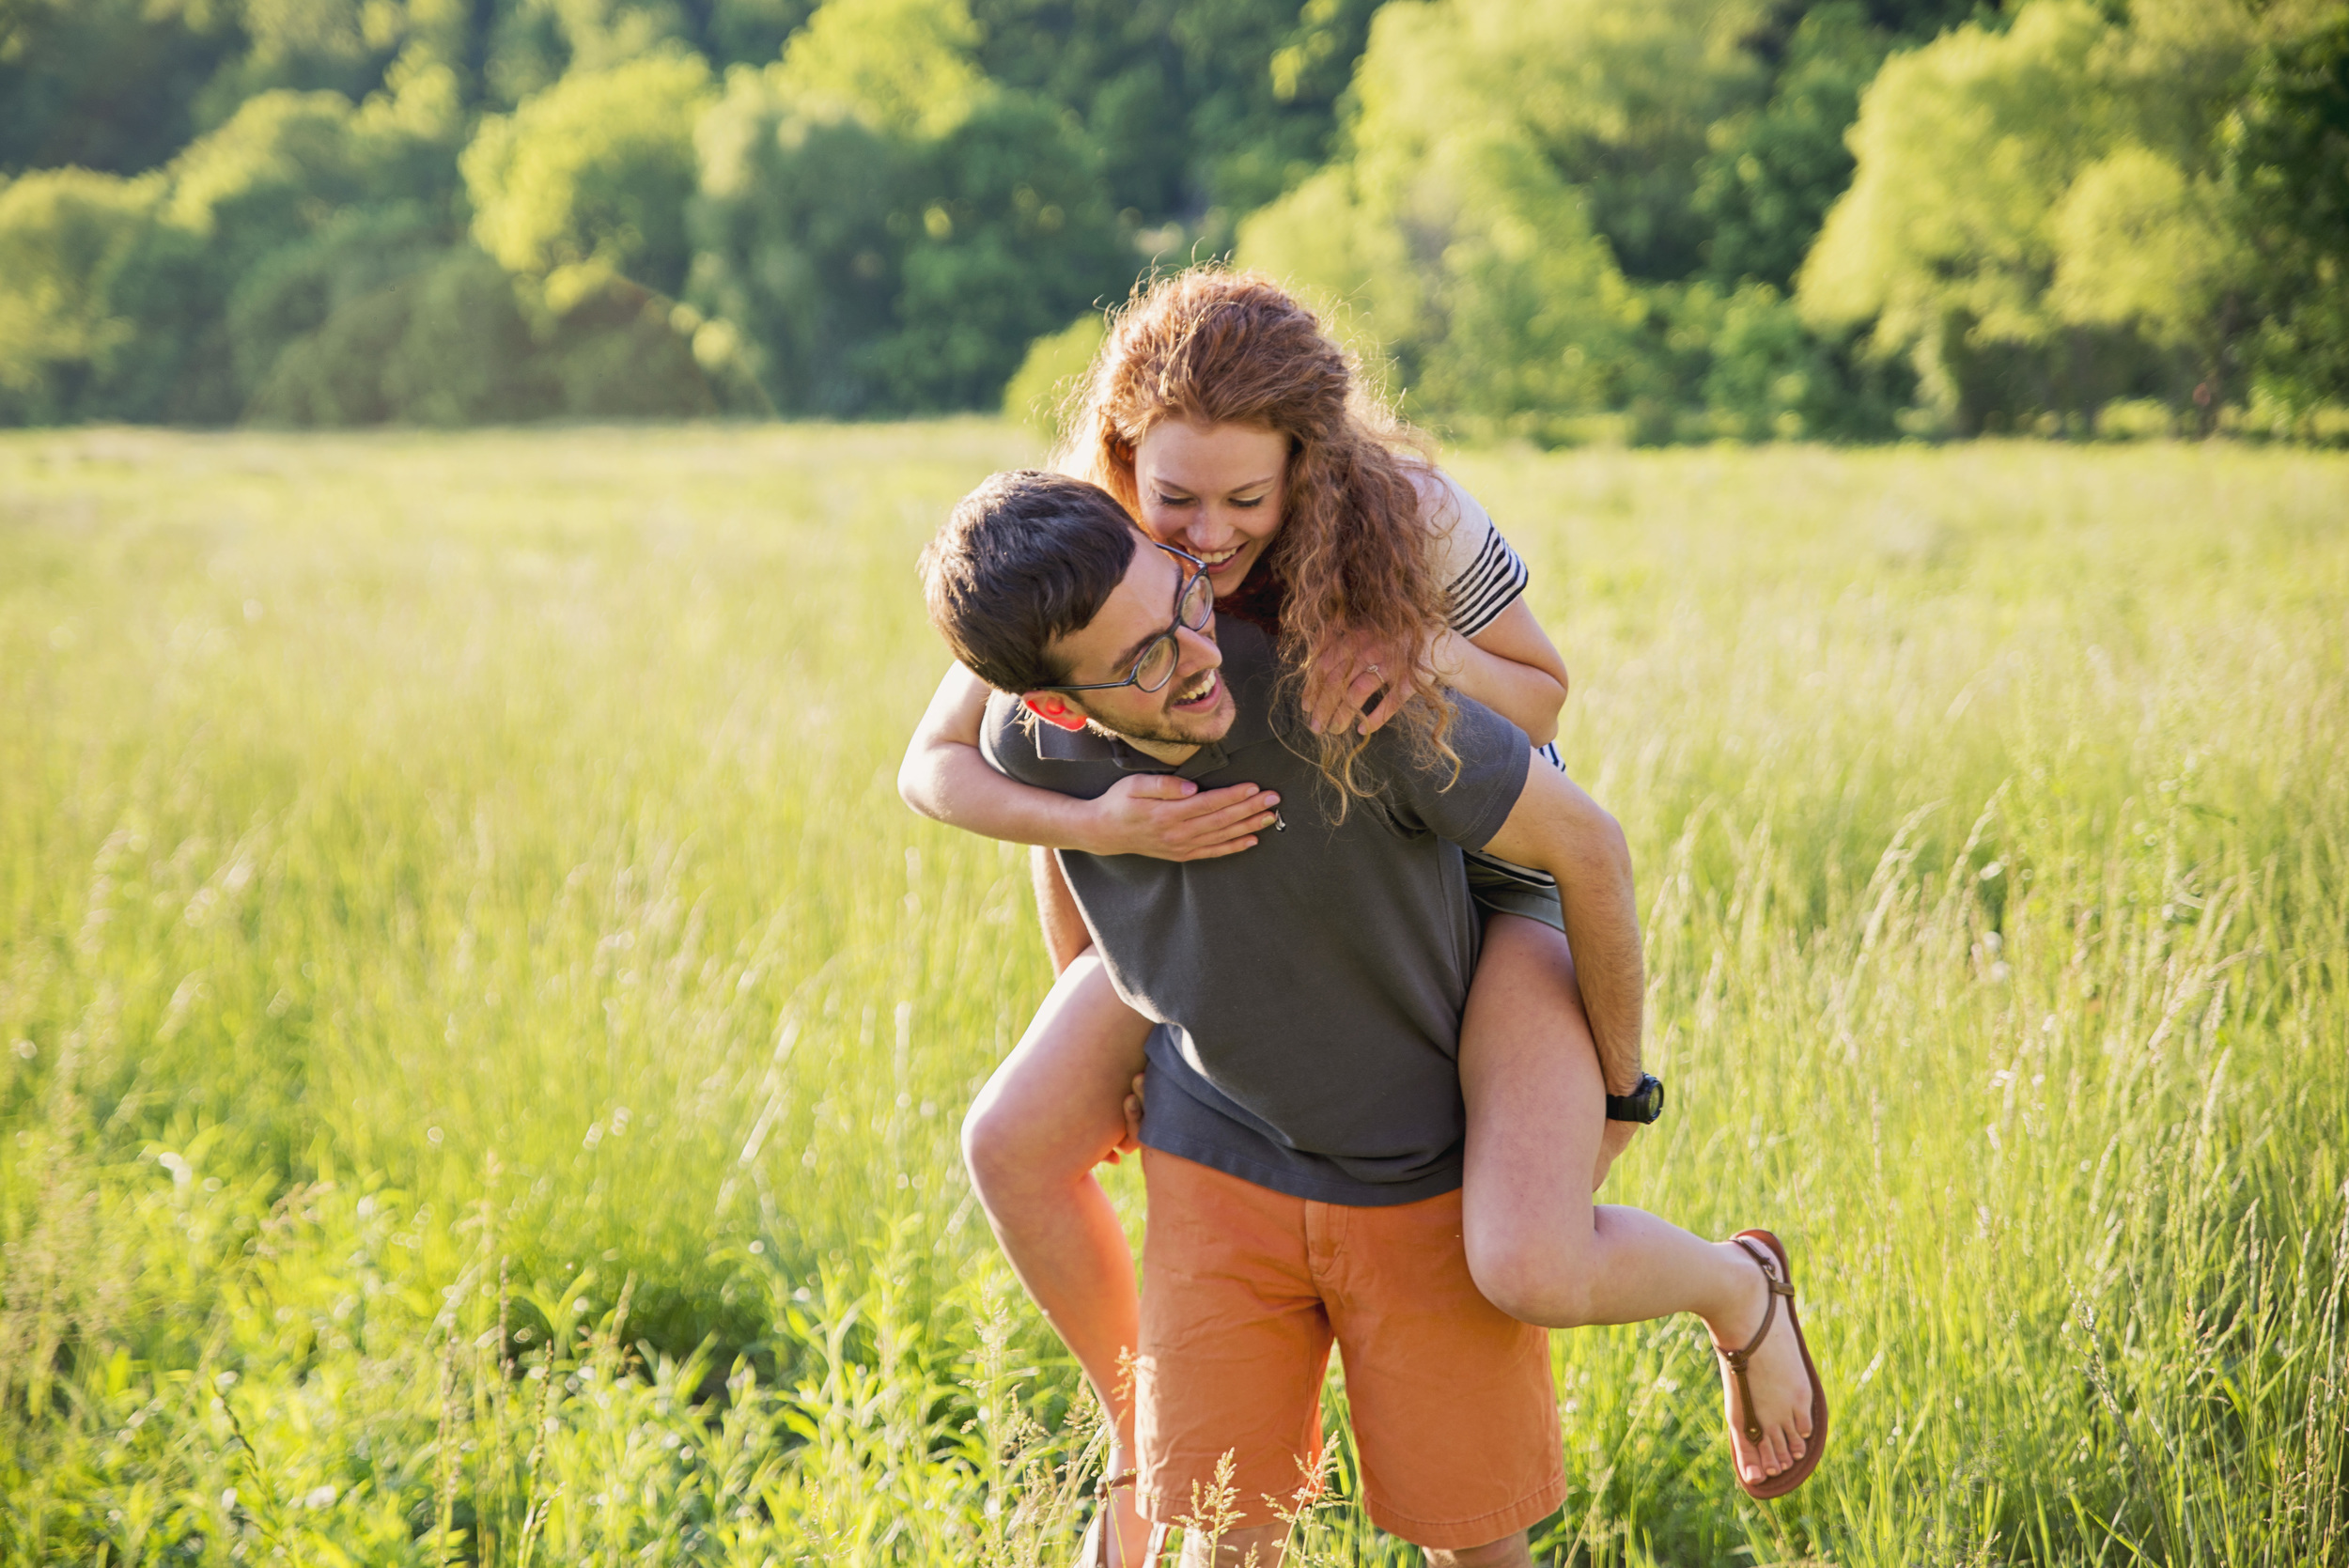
[(1213, 490)]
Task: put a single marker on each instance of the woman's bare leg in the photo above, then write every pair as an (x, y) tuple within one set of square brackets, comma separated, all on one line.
[(1538, 1246), (1053, 1110)]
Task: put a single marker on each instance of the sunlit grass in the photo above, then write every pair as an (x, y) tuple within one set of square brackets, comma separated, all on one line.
[(443, 879)]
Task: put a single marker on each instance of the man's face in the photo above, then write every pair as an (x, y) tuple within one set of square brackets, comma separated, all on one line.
[(1192, 708)]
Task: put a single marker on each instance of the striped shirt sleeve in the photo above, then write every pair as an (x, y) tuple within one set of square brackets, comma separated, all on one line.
[(1482, 575), (1488, 584)]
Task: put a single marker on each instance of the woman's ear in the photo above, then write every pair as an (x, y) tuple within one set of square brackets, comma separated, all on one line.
[(1054, 709)]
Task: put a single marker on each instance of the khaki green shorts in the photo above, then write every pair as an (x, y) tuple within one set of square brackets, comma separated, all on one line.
[(1498, 888)]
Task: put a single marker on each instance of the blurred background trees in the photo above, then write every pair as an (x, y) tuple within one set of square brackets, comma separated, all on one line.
[(1555, 219)]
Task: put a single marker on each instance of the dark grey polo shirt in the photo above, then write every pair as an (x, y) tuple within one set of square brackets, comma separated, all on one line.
[(1308, 990)]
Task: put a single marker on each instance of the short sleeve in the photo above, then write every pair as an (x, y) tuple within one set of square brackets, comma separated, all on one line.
[(1468, 808), (1480, 572)]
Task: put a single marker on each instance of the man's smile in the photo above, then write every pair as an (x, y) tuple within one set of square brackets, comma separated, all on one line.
[(1198, 693)]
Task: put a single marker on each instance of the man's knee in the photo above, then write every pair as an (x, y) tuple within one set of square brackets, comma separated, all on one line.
[(991, 1149)]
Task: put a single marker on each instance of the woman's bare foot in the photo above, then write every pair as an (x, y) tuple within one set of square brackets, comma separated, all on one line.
[(1780, 1383)]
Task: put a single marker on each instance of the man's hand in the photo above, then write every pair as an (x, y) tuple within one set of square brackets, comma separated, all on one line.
[(1613, 1142), (1132, 1140), (1360, 666), (1168, 818)]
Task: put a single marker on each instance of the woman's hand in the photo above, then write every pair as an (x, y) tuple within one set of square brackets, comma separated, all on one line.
[(1168, 818), (1359, 667)]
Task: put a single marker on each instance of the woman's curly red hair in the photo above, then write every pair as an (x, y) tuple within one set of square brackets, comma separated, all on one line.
[(1214, 346)]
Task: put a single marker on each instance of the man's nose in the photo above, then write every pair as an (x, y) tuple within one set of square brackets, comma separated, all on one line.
[(1197, 649)]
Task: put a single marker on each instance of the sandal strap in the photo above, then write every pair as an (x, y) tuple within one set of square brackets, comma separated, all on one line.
[(1738, 1360)]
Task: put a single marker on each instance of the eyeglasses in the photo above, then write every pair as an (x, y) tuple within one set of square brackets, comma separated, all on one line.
[(1194, 607)]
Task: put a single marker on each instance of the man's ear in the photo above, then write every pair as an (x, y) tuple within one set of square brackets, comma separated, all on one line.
[(1054, 709)]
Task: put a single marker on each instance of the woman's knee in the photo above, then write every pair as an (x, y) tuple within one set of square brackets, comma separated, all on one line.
[(1543, 1279)]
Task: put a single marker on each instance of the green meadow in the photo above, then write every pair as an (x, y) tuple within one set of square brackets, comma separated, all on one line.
[(481, 1042)]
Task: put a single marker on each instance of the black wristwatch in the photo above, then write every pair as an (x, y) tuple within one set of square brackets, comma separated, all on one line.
[(1642, 1104)]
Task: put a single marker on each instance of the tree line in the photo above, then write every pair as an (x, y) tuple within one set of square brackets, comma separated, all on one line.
[(1554, 219)]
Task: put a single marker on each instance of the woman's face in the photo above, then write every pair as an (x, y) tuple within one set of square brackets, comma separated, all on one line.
[(1213, 490)]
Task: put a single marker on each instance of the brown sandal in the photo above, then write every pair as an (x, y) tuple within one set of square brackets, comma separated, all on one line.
[(1096, 1553), (1770, 1258)]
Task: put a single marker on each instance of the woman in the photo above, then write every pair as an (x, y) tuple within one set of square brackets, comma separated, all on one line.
[(1230, 426)]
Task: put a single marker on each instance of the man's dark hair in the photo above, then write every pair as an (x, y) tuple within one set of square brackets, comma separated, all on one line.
[(1027, 557)]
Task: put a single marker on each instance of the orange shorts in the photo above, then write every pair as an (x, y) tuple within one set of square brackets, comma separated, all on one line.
[(1242, 1291)]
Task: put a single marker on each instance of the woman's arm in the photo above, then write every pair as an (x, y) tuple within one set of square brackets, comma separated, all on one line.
[(1512, 667), (946, 778)]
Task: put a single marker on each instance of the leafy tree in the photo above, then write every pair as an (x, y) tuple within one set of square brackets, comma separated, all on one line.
[(882, 229), (1504, 156), (1964, 208), (1772, 172), (1051, 372), (2284, 156), (1189, 106), (799, 235), (295, 289), (898, 66), (1016, 235), (66, 240), (107, 85), (594, 173)]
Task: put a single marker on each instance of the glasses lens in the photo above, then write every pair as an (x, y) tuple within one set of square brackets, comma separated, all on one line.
[(1197, 600), (1156, 666)]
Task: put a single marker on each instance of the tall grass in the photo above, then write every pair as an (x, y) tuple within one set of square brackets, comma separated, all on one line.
[(480, 1043)]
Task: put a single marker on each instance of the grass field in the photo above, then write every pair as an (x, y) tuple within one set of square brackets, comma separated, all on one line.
[(481, 1042)]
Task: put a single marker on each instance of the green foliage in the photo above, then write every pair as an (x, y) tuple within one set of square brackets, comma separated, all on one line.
[(1196, 109), (2285, 156), (795, 253), (296, 288), (1616, 95), (1772, 172), (898, 66), (869, 257), (1013, 234), (1762, 373), (2013, 187), (106, 84), (1531, 213), (443, 877), (455, 339), (594, 173), (1053, 372), (66, 240)]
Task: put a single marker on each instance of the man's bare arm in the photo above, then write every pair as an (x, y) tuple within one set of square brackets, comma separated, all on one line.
[(1557, 828)]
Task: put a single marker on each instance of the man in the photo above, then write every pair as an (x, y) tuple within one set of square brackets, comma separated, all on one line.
[(1304, 1145)]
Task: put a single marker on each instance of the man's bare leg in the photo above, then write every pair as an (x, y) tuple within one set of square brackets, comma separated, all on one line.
[(1538, 1246), (1052, 1112)]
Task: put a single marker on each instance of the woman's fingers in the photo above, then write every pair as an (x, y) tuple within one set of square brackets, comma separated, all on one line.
[(1244, 815), (1398, 693)]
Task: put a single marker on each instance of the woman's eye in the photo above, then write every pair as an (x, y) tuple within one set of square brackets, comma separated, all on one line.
[(1248, 505), (1174, 501)]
